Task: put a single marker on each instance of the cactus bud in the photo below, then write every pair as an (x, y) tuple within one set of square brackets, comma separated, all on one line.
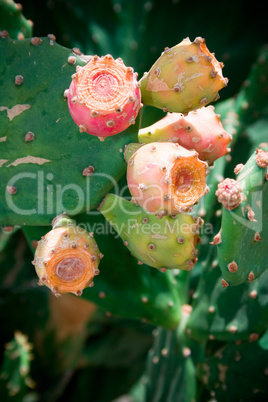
[(229, 193)]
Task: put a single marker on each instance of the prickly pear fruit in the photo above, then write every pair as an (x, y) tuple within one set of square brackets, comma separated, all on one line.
[(200, 129), (184, 78), (164, 244), (104, 96), (165, 178), (67, 258)]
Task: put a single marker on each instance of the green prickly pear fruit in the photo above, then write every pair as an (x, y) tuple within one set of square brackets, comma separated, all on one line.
[(165, 178), (67, 258), (104, 96), (167, 243), (200, 129), (184, 78)]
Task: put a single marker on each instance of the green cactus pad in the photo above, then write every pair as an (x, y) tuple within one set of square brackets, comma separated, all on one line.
[(13, 21), (170, 368), (237, 372), (166, 243), (53, 167), (244, 236), (227, 314)]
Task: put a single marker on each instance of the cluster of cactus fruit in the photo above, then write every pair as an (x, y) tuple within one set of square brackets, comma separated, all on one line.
[(129, 204)]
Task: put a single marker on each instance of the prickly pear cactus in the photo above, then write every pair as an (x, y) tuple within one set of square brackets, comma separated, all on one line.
[(156, 317), (41, 146)]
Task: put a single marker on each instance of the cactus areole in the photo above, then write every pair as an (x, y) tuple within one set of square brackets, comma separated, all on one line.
[(104, 96)]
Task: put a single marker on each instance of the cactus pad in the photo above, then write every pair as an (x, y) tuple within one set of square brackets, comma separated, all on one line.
[(244, 230)]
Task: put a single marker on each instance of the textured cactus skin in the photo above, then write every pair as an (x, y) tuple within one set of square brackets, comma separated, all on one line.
[(104, 97), (227, 314), (171, 354), (167, 243), (237, 371), (166, 178), (13, 21), (246, 229), (59, 153), (172, 81), (15, 370), (200, 129)]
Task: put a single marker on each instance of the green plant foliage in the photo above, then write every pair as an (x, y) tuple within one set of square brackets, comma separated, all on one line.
[(13, 21)]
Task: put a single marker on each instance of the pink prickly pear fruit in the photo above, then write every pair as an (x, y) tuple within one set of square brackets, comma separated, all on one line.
[(165, 178), (67, 258), (200, 129), (185, 77), (104, 96)]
